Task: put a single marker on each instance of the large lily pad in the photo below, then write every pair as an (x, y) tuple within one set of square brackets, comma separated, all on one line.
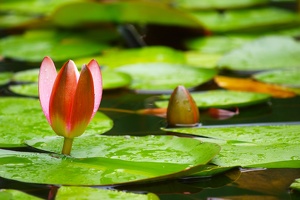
[(157, 157), (5, 77), (217, 4), (222, 99), (23, 119), (122, 12), (286, 77), (250, 19), (253, 146), (165, 77), (9, 194), (262, 54), (73, 192), (60, 46), (117, 58)]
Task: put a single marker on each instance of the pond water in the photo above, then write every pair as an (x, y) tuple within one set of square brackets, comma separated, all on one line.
[(234, 184)]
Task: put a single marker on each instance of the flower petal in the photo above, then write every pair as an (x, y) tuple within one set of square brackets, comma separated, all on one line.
[(46, 80), (62, 98), (97, 82), (83, 104)]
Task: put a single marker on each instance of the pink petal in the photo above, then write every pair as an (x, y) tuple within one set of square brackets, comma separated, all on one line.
[(83, 105), (47, 77), (97, 82), (222, 113), (62, 98)]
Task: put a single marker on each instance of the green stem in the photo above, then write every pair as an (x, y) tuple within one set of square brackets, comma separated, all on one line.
[(67, 146)]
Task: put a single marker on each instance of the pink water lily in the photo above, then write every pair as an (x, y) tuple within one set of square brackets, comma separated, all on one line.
[(69, 99)]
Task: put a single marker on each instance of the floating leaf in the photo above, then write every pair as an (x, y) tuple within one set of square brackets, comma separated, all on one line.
[(287, 77), (31, 123), (5, 77), (117, 58), (217, 4), (165, 77), (222, 99), (12, 20), (241, 19), (247, 84), (203, 60), (122, 12), (73, 192), (9, 194), (263, 54), (121, 159), (218, 44), (252, 146), (25, 89), (59, 45), (296, 185)]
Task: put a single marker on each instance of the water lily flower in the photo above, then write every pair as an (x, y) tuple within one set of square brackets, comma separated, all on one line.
[(182, 109), (69, 99)]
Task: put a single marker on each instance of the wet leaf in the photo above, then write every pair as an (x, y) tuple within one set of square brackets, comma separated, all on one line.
[(265, 53), (247, 84), (60, 46), (106, 160), (122, 12), (31, 122), (217, 4), (245, 19), (10, 194), (73, 192), (252, 146), (287, 77), (165, 77), (221, 99)]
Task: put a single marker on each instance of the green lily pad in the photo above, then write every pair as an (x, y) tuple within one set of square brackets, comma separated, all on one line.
[(296, 185), (117, 58), (136, 159), (122, 12), (5, 77), (9, 194), (252, 146), (286, 77), (217, 4), (33, 7), (203, 60), (164, 76), (218, 44), (73, 192), (245, 19), (60, 46), (111, 80), (13, 20), (31, 122), (263, 54), (221, 99)]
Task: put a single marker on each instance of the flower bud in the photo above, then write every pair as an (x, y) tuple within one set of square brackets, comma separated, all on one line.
[(182, 109)]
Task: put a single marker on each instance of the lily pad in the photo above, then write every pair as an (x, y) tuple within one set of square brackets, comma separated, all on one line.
[(9, 194), (252, 146), (60, 46), (117, 58), (245, 19), (111, 80), (286, 77), (296, 185), (122, 12), (217, 4), (218, 44), (222, 99), (5, 77), (73, 192), (13, 20), (203, 60), (263, 54), (165, 77), (23, 119), (137, 159)]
